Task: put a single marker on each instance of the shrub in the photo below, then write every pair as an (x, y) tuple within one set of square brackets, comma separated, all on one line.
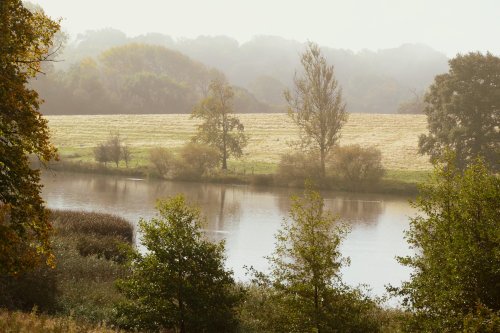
[(295, 168), (197, 160), (163, 161), (33, 288), (357, 166)]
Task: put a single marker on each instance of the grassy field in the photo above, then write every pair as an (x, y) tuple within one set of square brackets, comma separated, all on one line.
[(270, 135)]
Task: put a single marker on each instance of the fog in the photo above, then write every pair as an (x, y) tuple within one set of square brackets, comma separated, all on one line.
[(449, 26)]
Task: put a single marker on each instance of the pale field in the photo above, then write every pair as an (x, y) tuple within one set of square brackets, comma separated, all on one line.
[(270, 134)]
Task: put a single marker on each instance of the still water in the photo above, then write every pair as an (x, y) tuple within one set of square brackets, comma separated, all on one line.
[(248, 217)]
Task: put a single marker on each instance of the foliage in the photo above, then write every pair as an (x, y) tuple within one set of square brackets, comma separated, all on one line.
[(295, 168), (357, 166), (25, 40), (163, 160), (316, 105), (180, 282), (220, 129), (463, 112), (456, 238), (304, 288)]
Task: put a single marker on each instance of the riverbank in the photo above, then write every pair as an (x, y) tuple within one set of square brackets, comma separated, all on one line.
[(399, 182)]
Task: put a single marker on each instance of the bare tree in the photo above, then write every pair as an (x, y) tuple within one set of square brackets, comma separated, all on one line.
[(316, 105)]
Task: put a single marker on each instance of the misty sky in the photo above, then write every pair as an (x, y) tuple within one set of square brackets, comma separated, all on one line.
[(449, 26)]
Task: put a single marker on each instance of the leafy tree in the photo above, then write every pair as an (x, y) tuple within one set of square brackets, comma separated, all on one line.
[(304, 287), (180, 282), (316, 105), (112, 150), (463, 111), (220, 129), (25, 41), (456, 238)]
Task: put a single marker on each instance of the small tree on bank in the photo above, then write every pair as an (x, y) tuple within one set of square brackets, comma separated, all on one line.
[(220, 129), (316, 104), (305, 292), (113, 150), (456, 237), (180, 283)]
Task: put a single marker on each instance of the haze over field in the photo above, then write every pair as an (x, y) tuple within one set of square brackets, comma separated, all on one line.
[(385, 56)]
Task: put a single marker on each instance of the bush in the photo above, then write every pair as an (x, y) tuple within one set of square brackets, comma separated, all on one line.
[(163, 161), (357, 166), (33, 288), (90, 223), (295, 168), (197, 160)]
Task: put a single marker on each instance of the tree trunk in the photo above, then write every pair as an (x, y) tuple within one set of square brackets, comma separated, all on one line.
[(323, 169), (316, 309)]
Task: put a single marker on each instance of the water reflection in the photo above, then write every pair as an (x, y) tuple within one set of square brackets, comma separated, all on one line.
[(247, 218)]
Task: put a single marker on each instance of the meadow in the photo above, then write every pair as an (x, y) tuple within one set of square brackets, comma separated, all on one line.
[(270, 136)]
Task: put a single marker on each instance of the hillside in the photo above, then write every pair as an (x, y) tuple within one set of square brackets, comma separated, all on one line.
[(372, 81)]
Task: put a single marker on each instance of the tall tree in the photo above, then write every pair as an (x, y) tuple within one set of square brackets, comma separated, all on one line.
[(220, 129), (306, 293), (25, 40), (456, 238), (316, 104), (180, 283), (463, 111)]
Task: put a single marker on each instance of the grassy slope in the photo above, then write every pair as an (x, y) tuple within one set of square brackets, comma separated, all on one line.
[(270, 135)]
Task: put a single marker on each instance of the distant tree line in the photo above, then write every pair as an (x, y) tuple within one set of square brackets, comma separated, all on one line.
[(134, 78), (373, 81)]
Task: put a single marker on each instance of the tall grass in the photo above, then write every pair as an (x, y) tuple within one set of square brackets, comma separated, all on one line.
[(20, 322), (90, 223)]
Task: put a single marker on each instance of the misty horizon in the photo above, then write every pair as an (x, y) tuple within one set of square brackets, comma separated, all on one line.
[(448, 27)]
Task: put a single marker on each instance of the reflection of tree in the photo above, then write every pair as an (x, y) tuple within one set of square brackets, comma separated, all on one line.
[(352, 208), (218, 203), (356, 210)]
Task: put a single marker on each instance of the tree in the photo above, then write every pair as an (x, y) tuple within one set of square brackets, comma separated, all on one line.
[(463, 111), (220, 129), (316, 105), (113, 150), (304, 284), (180, 282), (25, 40), (456, 242)]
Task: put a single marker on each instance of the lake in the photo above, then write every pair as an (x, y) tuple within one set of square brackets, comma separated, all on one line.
[(247, 218)]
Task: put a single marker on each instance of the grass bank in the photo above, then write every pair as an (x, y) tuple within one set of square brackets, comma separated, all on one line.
[(393, 182)]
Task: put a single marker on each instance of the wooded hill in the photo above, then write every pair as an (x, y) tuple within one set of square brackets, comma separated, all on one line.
[(106, 72)]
